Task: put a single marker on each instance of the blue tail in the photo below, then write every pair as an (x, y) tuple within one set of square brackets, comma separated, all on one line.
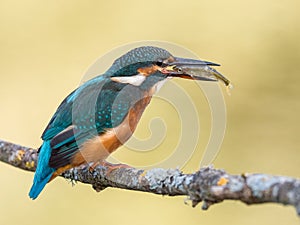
[(43, 172)]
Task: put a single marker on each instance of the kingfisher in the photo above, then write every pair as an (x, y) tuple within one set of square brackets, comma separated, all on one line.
[(102, 114)]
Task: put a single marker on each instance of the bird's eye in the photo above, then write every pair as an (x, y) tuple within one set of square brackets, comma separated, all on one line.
[(160, 63), (178, 69)]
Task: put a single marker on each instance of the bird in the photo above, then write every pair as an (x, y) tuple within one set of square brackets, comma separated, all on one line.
[(101, 115)]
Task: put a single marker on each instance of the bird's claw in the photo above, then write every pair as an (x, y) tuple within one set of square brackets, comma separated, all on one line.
[(109, 166)]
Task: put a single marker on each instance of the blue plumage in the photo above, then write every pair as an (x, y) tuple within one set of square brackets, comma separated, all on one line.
[(43, 172)]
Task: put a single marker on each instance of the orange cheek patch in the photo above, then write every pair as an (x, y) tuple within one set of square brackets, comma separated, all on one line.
[(147, 71)]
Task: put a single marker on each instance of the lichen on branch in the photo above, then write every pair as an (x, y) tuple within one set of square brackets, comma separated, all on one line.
[(208, 185)]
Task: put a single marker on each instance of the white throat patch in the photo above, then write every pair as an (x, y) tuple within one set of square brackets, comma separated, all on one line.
[(135, 80)]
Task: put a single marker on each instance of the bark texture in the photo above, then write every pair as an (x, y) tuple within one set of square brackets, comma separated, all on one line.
[(208, 185)]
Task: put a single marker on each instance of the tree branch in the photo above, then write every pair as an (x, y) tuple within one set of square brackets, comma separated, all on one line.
[(208, 185)]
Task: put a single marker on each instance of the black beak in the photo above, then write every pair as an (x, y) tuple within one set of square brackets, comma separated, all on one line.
[(195, 69)]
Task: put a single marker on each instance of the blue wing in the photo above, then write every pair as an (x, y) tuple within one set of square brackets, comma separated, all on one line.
[(94, 107), (59, 141), (90, 110), (73, 123), (63, 117)]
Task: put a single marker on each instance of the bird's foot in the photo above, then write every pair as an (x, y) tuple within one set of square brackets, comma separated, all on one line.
[(110, 166), (93, 166)]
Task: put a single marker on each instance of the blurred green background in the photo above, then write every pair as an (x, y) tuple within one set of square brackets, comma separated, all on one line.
[(47, 46)]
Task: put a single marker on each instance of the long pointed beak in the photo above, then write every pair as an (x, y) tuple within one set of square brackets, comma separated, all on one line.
[(195, 62), (195, 69)]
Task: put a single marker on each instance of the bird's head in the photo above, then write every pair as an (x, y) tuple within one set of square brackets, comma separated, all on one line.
[(145, 66)]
